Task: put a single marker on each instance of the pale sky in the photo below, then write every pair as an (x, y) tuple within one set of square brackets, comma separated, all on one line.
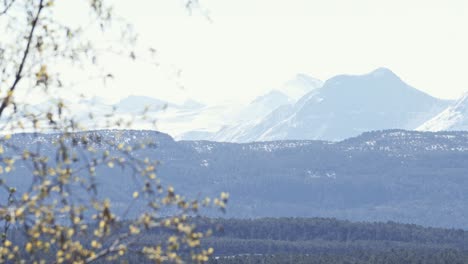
[(248, 47)]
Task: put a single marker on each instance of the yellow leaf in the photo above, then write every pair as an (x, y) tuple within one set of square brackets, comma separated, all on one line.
[(28, 247), (7, 243)]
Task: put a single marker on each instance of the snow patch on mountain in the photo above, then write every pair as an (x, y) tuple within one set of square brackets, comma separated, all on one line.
[(254, 113), (299, 86), (454, 117)]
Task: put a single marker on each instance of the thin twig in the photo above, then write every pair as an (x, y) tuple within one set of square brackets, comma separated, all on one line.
[(115, 247), (19, 73), (7, 6)]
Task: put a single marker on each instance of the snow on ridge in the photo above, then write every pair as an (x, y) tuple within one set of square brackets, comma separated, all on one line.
[(454, 117)]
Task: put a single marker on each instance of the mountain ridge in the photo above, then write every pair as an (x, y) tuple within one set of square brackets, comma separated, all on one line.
[(347, 105), (392, 175)]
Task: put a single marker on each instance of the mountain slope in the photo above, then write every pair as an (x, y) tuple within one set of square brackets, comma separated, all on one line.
[(299, 86), (251, 115), (348, 105), (454, 117), (257, 110)]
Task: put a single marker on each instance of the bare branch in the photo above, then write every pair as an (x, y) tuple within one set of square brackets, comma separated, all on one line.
[(19, 73), (111, 249), (7, 6)]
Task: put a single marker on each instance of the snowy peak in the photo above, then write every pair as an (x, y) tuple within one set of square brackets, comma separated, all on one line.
[(383, 73), (379, 80), (262, 106), (254, 112), (454, 117), (347, 105), (302, 108), (274, 97), (379, 88), (300, 85)]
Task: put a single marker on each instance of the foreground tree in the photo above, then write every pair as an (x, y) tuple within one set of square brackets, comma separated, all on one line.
[(61, 217)]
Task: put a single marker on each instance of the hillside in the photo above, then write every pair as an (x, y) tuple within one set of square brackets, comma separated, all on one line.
[(404, 176), (324, 240)]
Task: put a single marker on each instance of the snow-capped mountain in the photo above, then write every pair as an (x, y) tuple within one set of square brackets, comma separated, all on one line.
[(342, 107), (454, 117), (197, 124), (263, 105), (252, 114), (347, 105), (299, 86), (188, 120), (192, 120)]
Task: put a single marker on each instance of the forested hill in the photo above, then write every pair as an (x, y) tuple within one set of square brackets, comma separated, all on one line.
[(323, 240), (319, 240), (330, 229), (402, 176), (316, 240)]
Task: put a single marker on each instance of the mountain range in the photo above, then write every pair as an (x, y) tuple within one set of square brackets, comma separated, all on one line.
[(301, 108), (347, 106)]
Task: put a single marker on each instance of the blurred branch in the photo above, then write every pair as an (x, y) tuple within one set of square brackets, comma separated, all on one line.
[(19, 73), (6, 6), (114, 247)]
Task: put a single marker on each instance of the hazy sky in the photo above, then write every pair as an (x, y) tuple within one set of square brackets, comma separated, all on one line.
[(248, 47)]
